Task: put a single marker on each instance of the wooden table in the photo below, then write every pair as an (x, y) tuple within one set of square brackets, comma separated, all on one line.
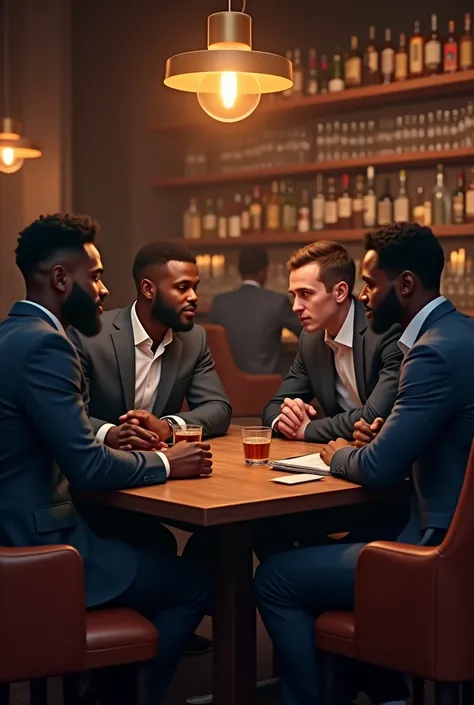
[(228, 501)]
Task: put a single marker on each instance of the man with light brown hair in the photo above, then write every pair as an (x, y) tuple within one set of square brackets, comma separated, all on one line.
[(351, 371)]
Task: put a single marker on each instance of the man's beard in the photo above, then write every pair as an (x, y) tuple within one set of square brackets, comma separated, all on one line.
[(169, 317), (388, 313), (81, 312)]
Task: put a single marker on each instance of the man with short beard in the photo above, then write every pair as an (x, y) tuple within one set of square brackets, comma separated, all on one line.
[(46, 441)]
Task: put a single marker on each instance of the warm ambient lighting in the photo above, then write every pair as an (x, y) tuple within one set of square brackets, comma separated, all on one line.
[(229, 78)]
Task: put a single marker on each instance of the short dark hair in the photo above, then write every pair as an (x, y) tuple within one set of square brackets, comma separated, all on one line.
[(252, 260), (334, 261), (160, 253), (49, 235), (403, 246)]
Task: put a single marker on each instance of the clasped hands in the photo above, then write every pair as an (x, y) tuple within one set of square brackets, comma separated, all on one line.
[(139, 430)]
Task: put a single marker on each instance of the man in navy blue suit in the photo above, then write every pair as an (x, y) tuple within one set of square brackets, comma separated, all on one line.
[(427, 437), (47, 441)]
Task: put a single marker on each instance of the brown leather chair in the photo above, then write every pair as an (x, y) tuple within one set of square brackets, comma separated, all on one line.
[(414, 607), (248, 394), (45, 629)]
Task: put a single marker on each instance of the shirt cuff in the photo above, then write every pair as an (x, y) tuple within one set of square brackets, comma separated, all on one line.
[(102, 432), (177, 419), (166, 462), (274, 423)]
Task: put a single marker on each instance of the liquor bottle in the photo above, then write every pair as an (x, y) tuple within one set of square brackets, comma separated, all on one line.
[(441, 200), (417, 66), (297, 73), (303, 213), (371, 61), (324, 77), (312, 78), (433, 62), (288, 209), (209, 220), (470, 197), (388, 58), (358, 204), (466, 53), (256, 211), (221, 219), (401, 60), (370, 200), (235, 217), (337, 82), (330, 205), (273, 209), (289, 91), (318, 204), (245, 215), (419, 207), (192, 221), (401, 206), (344, 205), (450, 50), (353, 66), (459, 200), (385, 206)]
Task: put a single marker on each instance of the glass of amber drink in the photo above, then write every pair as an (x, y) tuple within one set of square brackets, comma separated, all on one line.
[(256, 441), (190, 433)]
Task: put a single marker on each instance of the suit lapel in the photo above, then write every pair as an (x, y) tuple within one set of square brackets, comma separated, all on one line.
[(326, 379), (122, 338), (169, 372), (359, 344)]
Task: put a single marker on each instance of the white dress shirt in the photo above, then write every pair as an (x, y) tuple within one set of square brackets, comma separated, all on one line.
[(347, 395), (251, 282), (56, 321), (412, 331)]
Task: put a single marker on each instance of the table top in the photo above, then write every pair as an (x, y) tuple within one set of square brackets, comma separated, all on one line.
[(235, 492)]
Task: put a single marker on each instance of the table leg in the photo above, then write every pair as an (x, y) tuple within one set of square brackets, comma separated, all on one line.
[(234, 617)]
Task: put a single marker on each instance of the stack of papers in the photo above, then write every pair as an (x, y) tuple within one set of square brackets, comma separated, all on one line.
[(304, 463)]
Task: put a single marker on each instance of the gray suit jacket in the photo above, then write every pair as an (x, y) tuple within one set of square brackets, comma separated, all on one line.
[(46, 441), (254, 319), (108, 363), (377, 360), (431, 428)]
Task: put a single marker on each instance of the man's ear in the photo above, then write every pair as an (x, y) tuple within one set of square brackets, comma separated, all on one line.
[(59, 278)]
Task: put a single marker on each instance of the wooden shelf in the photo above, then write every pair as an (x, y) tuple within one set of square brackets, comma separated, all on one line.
[(389, 162), (296, 239), (355, 98)]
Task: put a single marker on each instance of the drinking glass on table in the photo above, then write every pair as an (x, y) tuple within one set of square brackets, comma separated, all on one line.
[(191, 433), (256, 441)]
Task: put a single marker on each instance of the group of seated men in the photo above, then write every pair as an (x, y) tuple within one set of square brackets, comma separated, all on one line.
[(91, 399)]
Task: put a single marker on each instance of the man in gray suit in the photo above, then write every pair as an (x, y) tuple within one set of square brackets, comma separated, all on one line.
[(349, 369), (254, 317), (46, 441), (427, 437), (149, 357)]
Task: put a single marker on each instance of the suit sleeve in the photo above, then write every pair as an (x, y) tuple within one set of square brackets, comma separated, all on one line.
[(379, 403), (84, 358), (207, 401), (425, 404), (54, 404), (288, 318)]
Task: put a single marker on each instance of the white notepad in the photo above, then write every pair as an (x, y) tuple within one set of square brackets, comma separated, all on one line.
[(303, 463), (297, 479)]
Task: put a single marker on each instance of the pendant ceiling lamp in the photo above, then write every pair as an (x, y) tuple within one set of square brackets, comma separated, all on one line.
[(13, 147), (228, 77)]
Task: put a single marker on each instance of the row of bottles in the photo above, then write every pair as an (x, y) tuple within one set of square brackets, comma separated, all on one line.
[(457, 282), (384, 62), (337, 204)]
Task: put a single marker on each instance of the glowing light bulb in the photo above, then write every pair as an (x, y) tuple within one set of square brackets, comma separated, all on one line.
[(8, 156), (228, 88), (228, 96), (9, 162)]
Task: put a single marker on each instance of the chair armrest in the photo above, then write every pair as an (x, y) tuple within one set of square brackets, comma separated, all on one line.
[(252, 393), (42, 612)]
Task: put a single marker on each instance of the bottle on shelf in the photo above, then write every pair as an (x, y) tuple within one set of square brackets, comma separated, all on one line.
[(385, 206), (371, 61), (222, 221), (312, 77), (353, 65), (245, 215), (235, 217), (289, 91), (388, 58), (401, 60), (288, 208), (466, 53), (297, 74), (433, 61), (417, 53), (273, 220), (303, 213), (256, 211), (324, 76), (337, 82), (370, 200), (419, 207), (358, 203), (209, 220), (318, 204), (330, 206), (192, 221), (401, 205), (344, 205), (450, 50), (470, 197), (459, 200), (441, 200)]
